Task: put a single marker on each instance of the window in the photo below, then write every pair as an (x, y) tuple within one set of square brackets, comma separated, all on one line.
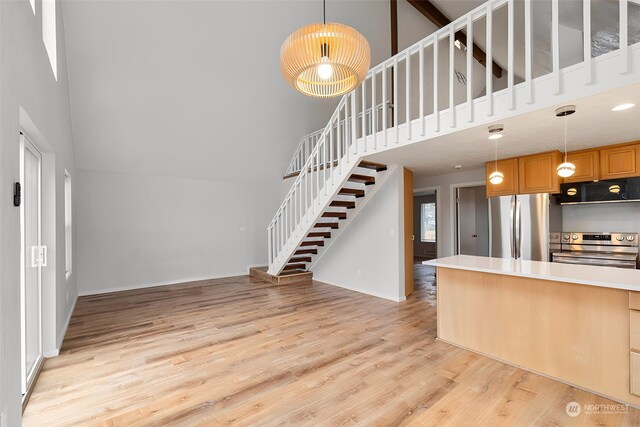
[(428, 222), (49, 33), (68, 229)]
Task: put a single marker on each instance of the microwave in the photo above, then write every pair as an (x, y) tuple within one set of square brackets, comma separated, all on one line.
[(609, 191)]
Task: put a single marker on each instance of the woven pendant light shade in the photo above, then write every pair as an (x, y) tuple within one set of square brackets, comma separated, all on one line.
[(325, 60)]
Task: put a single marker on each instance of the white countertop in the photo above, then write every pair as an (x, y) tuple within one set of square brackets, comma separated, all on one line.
[(609, 277)]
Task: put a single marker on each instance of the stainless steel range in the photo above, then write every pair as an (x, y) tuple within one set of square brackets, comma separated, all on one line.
[(603, 249)]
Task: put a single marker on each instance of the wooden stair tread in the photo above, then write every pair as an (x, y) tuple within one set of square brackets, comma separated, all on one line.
[(332, 225), (325, 234), (339, 215), (306, 251), (313, 243), (299, 259), (366, 179), (346, 191), (295, 267), (286, 277), (343, 204), (378, 167)]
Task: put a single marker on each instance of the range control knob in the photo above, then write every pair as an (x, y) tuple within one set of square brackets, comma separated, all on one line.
[(620, 238), (565, 237), (574, 237), (631, 238)]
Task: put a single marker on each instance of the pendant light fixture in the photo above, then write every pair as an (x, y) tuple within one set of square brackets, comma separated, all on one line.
[(496, 176), (325, 60), (566, 169)]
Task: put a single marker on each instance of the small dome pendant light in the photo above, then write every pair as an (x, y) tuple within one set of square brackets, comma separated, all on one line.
[(566, 168), (325, 60), (496, 176)]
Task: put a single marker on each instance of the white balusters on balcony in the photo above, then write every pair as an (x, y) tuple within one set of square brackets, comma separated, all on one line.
[(420, 93)]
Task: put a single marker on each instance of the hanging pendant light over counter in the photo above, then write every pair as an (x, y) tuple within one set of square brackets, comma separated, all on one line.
[(566, 168), (325, 60), (496, 176)]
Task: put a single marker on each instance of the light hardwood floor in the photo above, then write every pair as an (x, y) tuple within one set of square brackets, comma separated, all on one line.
[(241, 351)]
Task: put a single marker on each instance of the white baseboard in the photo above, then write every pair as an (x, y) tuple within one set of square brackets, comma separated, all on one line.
[(362, 291), (56, 351), (153, 285)]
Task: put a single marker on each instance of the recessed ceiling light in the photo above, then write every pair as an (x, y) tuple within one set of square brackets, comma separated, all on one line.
[(623, 107), (496, 136)]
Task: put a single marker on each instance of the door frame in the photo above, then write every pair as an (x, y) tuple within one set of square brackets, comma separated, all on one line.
[(453, 209), (27, 379), (437, 190)]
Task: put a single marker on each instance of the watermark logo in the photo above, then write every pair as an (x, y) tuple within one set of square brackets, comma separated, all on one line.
[(573, 409)]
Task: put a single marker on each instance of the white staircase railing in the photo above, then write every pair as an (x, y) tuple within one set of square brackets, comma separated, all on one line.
[(309, 141), (302, 153), (409, 85)]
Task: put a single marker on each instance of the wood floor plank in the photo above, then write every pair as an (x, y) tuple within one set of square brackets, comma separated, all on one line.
[(242, 351)]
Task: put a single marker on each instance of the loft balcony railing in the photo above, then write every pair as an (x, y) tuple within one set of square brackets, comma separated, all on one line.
[(436, 86)]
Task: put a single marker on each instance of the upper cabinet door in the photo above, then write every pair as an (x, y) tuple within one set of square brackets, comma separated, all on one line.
[(509, 186), (538, 173), (587, 164), (620, 162)]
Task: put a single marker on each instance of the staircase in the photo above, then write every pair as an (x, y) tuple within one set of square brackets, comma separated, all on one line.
[(403, 101), (334, 215)]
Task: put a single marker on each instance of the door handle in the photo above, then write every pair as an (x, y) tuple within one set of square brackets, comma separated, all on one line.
[(413, 237)]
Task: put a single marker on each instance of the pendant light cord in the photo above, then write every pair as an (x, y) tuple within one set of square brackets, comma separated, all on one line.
[(565, 139), (324, 12), (496, 168)]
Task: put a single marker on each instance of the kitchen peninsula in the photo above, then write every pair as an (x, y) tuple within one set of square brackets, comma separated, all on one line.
[(578, 324)]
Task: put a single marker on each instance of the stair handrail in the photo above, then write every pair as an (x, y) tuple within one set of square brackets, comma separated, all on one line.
[(307, 142), (315, 163), (302, 152)]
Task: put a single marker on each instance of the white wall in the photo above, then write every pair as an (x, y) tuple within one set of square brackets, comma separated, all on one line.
[(139, 230), (445, 185), (612, 217), (368, 256), (147, 127), (31, 98)]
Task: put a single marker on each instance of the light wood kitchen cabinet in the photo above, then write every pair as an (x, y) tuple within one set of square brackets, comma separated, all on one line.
[(634, 330), (620, 161), (634, 373), (537, 173), (509, 186), (587, 164)]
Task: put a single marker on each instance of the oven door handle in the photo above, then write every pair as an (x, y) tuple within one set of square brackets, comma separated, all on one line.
[(599, 262)]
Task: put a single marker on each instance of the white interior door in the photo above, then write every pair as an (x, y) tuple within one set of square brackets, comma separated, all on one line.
[(33, 258)]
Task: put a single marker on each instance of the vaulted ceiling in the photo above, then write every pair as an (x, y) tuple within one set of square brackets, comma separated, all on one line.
[(193, 88)]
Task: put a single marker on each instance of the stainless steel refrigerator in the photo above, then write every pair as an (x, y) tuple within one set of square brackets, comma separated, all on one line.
[(519, 226)]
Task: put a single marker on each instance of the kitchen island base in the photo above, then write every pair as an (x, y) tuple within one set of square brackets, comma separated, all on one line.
[(575, 333)]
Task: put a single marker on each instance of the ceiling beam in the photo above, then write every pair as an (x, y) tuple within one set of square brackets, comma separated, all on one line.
[(433, 14), (394, 26)]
